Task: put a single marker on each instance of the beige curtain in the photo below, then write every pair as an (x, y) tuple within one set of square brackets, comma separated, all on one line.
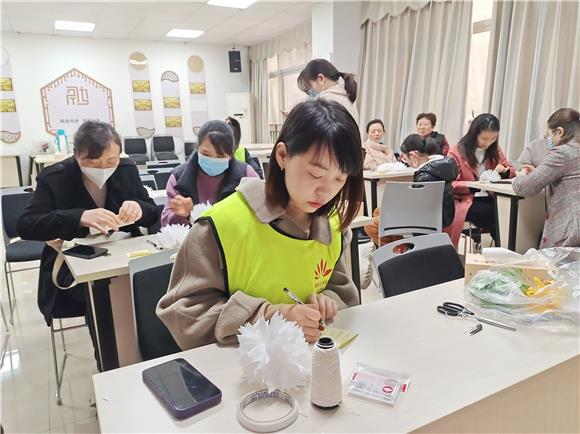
[(415, 59), (533, 67), (299, 36), (259, 91)]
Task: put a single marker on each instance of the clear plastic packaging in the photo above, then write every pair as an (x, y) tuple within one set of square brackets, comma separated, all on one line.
[(502, 293), (377, 384)]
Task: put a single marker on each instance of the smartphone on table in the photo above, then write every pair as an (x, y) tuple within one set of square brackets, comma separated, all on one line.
[(183, 389), (86, 252)]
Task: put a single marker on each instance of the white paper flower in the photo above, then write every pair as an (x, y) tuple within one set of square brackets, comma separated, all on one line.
[(274, 353), (149, 190), (391, 167), (198, 210), (171, 236), (490, 175)]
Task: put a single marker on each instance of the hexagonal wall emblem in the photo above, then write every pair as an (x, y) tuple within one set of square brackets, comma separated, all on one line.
[(73, 98)]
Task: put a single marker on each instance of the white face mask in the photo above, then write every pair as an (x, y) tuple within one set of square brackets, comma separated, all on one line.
[(98, 176)]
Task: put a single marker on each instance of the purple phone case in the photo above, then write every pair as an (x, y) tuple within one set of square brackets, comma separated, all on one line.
[(186, 412)]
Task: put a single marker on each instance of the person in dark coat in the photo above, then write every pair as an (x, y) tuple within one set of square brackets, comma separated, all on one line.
[(425, 125), (423, 155), (94, 188)]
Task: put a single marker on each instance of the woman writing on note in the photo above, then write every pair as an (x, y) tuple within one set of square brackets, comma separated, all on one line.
[(289, 231)]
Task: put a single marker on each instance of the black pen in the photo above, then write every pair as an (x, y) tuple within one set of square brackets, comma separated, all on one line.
[(297, 300)]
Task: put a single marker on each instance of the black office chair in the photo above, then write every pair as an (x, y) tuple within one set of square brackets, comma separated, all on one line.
[(189, 148), (164, 148), (149, 281), (14, 201), (136, 148), (418, 262), (161, 178)]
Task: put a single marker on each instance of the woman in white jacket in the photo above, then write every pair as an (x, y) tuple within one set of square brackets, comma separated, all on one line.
[(321, 79)]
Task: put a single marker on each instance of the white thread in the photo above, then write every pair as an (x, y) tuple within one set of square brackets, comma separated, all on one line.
[(326, 388)]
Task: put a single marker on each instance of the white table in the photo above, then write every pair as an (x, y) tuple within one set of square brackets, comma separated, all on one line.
[(374, 177), (110, 299), (495, 381), (519, 221), (258, 146)]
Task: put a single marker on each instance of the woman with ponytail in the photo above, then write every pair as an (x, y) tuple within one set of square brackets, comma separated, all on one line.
[(321, 79), (559, 174)]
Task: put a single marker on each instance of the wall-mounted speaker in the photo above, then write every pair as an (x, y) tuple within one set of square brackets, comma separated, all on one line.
[(235, 61)]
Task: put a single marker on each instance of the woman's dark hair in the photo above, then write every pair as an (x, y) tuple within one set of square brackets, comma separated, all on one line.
[(93, 137), (220, 135), (569, 120), (324, 67), (326, 125), (431, 117), (468, 143), (375, 121), (415, 142), (235, 125)]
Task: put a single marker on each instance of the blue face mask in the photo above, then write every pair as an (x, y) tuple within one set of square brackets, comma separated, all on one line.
[(550, 143), (313, 93), (213, 166)]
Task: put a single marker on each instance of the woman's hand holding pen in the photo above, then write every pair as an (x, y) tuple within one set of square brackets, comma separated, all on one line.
[(325, 305), (307, 316)]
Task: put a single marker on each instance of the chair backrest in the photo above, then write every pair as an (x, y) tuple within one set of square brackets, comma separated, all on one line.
[(149, 181), (14, 200), (189, 148), (149, 281), (162, 164), (163, 144), (411, 207), (166, 155), (161, 176), (418, 262), (135, 145)]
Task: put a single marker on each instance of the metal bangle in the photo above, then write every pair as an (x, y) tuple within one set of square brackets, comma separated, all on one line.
[(270, 425)]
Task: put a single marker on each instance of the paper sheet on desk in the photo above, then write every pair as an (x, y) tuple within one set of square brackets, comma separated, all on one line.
[(94, 231), (101, 238), (341, 337)]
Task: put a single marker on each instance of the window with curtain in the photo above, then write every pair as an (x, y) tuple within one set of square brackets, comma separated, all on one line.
[(283, 93), (481, 30)]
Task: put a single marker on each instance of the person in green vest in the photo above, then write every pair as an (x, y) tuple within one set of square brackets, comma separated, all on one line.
[(241, 153), (289, 231)]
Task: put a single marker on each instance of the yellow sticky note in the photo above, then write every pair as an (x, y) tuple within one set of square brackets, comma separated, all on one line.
[(341, 337), (139, 253)]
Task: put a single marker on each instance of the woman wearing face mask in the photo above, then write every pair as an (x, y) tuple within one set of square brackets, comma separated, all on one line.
[(375, 152), (321, 79), (475, 153), (559, 174), (290, 231), (93, 189), (210, 175), (425, 125)]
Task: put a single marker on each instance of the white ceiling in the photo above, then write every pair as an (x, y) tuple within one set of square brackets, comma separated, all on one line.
[(151, 20)]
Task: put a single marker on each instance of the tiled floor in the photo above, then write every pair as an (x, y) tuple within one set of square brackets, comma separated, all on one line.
[(27, 379), (28, 385)]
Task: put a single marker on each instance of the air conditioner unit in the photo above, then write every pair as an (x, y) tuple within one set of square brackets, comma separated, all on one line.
[(239, 106)]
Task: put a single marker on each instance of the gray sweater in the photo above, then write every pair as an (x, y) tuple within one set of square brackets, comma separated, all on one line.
[(559, 174)]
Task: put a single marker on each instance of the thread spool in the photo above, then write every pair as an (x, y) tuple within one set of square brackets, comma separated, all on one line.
[(326, 389)]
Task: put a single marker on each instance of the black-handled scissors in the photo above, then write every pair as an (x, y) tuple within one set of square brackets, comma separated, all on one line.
[(455, 309)]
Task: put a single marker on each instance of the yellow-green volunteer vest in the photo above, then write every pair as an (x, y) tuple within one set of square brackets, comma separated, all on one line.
[(240, 154), (261, 261)]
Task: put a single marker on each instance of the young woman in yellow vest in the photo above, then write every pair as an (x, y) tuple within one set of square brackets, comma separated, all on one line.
[(290, 231), (241, 153)]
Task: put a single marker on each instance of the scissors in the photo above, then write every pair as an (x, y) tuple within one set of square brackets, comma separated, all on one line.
[(458, 310)]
